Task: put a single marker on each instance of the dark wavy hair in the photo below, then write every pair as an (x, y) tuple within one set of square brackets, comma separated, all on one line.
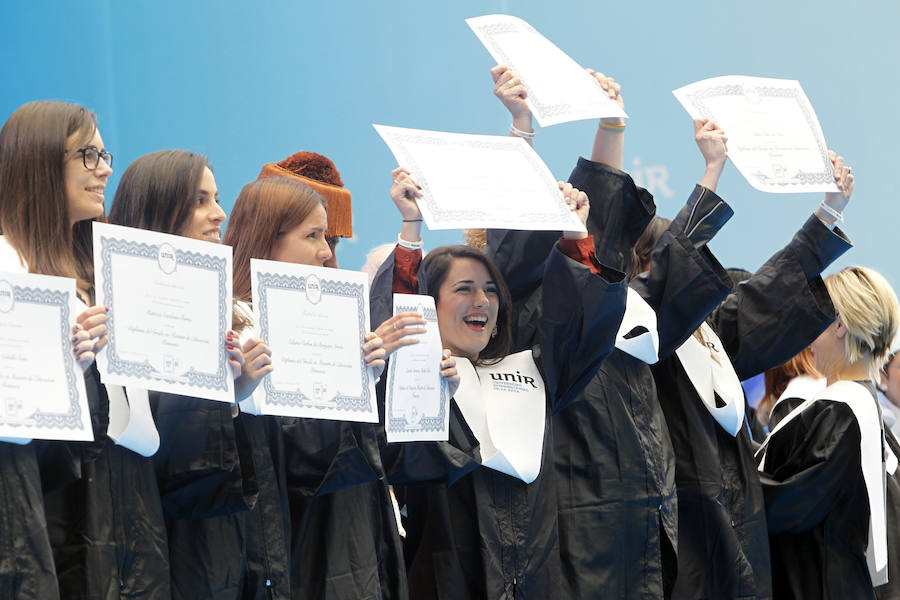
[(437, 265)]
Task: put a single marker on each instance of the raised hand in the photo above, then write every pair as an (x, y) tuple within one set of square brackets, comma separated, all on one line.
[(512, 93), (257, 362), (399, 331), (89, 334), (374, 354), (404, 191), (449, 372), (578, 202), (712, 142), (843, 178)]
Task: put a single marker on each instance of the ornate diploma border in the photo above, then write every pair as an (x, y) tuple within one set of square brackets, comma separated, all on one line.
[(144, 370), (296, 398), (399, 424), (56, 420)]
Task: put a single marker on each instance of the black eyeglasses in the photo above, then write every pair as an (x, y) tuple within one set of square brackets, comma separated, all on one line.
[(91, 156)]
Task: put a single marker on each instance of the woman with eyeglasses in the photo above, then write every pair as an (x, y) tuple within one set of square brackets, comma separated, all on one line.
[(103, 517), (203, 464)]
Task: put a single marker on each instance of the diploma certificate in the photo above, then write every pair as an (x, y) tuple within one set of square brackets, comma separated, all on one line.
[(416, 407), (774, 136), (495, 182), (42, 391), (315, 320), (559, 90), (169, 300)]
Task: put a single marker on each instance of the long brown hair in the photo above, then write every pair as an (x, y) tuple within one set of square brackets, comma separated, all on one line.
[(437, 265), (33, 205), (643, 247), (158, 191), (264, 209)]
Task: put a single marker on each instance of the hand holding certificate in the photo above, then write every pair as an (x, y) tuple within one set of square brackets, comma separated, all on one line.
[(170, 307), (559, 90), (42, 392), (480, 181), (417, 402), (315, 320), (774, 136)]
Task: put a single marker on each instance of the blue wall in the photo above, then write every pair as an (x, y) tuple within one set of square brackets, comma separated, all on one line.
[(249, 83)]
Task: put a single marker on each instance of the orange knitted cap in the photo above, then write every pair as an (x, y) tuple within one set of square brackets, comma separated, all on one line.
[(319, 173)]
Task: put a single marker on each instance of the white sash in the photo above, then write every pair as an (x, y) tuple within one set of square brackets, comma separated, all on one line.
[(712, 374), (801, 386), (505, 406), (130, 420), (872, 463), (638, 335)]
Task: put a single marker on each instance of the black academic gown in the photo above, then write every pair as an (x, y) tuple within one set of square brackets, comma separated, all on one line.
[(613, 458), (722, 544), (817, 505), (204, 470), (26, 560), (489, 535), (891, 590), (106, 528)]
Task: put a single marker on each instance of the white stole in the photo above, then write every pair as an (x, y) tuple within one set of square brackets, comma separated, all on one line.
[(872, 460), (712, 375), (505, 406), (638, 335)]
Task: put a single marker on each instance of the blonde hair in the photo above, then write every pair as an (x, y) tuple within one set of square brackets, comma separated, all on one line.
[(868, 307)]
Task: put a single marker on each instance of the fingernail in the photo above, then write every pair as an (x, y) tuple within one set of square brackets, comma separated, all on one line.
[(106, 309)]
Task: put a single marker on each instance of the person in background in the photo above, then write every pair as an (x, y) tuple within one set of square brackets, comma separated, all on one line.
[(822, 467)]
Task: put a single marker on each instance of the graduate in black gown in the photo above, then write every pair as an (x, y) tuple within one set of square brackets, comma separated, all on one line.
[(823, 465), (490, 534), (722, 543), (613, 458), (324, 525), (203, 465)]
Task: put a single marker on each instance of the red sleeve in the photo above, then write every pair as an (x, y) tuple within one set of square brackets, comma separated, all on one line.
[(406, 270), (581, 250)]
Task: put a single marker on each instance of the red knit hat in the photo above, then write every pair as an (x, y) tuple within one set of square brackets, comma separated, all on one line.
[(319, 173)]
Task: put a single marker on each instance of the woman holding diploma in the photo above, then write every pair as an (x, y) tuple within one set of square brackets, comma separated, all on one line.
[(612, 454), (492, 533), (203, 464), (822, 466), (326, 504), (102, 506)]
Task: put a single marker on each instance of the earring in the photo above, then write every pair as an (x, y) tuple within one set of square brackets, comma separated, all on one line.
[(494, 332)]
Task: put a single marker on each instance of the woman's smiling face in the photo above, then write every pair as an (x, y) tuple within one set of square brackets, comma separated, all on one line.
[(467, 307)]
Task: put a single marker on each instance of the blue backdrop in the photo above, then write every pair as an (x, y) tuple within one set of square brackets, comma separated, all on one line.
[(248, 83)]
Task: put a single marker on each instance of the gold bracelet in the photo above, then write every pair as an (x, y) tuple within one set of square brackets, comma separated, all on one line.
[(612, 127)]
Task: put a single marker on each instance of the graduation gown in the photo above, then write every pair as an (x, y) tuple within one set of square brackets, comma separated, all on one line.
[(722, 544), (26, 561), (488, 534), (613, 458), (204, 469), (324, 524), (817, 503), (106, 528), (891, 589)]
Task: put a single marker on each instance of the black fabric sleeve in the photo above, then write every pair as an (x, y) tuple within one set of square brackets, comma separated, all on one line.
[(781, 309), (580, 316), (685, 282)]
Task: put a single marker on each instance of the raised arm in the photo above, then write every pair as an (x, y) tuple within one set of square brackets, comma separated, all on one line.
[(512, 93), (781, 309)]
